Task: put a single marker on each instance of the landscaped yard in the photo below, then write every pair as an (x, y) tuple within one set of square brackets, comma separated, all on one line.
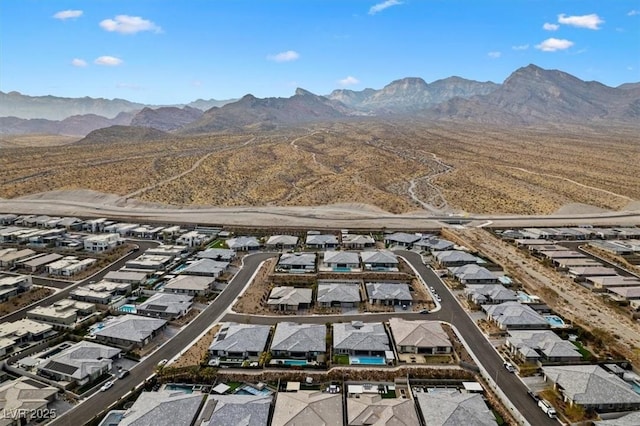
[(217, 244), (341, 359), (586, 355)]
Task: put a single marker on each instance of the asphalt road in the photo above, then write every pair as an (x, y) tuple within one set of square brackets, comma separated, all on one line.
[(333, 216), (98, 402), (451, 312), (19, 314)]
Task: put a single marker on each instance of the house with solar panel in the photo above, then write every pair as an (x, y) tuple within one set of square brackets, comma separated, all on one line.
[(80, 363)]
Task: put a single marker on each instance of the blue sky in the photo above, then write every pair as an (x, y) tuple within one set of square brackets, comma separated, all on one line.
[(169, 51)]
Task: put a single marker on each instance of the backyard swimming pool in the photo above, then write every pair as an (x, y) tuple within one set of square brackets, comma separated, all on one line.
[(367, 360), (181, 388), (524, 297), (250, 390), (554, 320), (130, 309)]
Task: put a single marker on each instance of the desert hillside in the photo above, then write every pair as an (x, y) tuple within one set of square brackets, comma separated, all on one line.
[(398, 166)]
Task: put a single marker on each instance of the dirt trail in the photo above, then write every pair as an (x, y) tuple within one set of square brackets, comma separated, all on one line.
[(179, 175), (564, 296), (566, 180)]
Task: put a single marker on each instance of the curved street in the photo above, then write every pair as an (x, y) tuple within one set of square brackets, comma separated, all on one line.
[(451, 312)]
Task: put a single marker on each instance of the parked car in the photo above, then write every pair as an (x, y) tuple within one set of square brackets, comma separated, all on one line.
[(533, 395), (424, 311), (123, 373), (510, 368), (163, 362), (106, 386), (547, 408)]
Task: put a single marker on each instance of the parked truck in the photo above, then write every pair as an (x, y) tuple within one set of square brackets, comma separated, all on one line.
[(547, 408)]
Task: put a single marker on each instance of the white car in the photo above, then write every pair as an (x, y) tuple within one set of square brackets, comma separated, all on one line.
[(162, 362), (106, 386), (510, 368)]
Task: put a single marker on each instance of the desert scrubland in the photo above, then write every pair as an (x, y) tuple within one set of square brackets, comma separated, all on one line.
[(397, 166)]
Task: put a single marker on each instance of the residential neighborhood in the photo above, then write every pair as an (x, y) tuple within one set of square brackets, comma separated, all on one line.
[(326, 285)]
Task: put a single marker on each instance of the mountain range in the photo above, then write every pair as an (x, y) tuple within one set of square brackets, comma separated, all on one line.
[(529, 96)]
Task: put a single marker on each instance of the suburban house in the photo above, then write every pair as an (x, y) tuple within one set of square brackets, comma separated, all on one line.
[(473, 274), (357, 242), (489, 294), (345, 294), (592, 388), (22, 331), (281, 242), (307, 408), (69, 265), (420, 337), (11, 255), (88, 295), (131, 277), (541, 345), (289, 298), (166, 306), (236, 409), (129, 331), (450, 258), (340, 261), (297, 263), (513, 315), (300, 341), (190, 284), (358, 338), (65, 313), (607, 282), (580, 273), (382, 260), (243, 243), (455, 408), (433, 244), (368, 409), (26, 395), (39, 262), (101, 242), (390, 294), (321, 241), (240, 341), (630, 294), (205, 268), (223, 255), (401, 239), (192, 239), (80, 363), (12, 285), (164, 407), (172, 251), (152, 262)]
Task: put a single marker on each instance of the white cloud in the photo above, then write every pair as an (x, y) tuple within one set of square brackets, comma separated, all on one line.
[(348, 81), (591, 21), (520, 47), (110, 61), (550, 27), (382, 6), (67, 14), (79, 62), (288, 56), (125, 24), (554, 44), (494, 55), (633, 12)]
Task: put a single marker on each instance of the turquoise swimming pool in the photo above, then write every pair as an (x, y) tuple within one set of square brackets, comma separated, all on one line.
[(554, 320), (367, 360), (130, 309)]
